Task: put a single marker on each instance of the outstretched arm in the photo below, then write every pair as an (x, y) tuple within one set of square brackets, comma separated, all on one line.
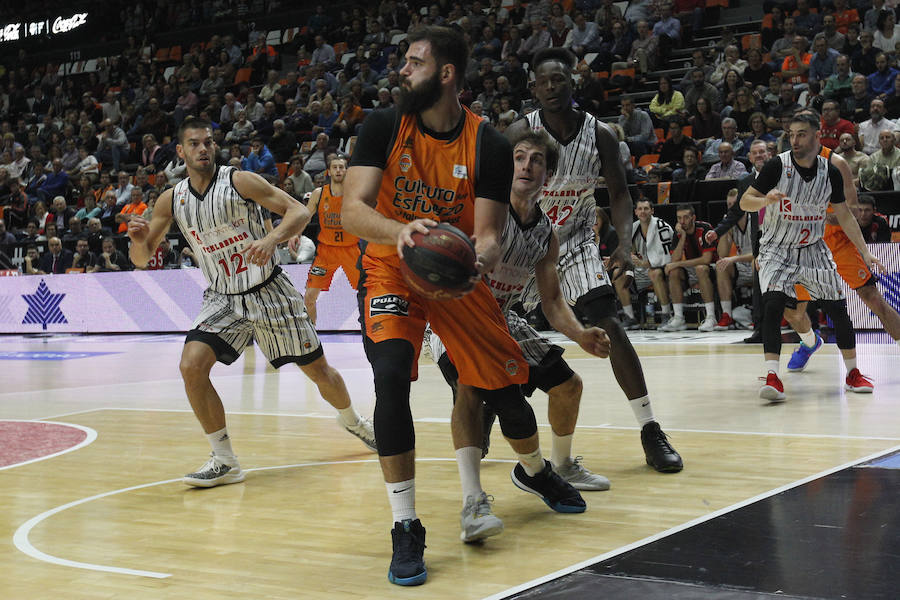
[(294, 214)]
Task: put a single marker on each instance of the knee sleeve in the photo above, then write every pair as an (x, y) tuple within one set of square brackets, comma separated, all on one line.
[(844, 333), (516, 416), (773, 310), (391, 362)]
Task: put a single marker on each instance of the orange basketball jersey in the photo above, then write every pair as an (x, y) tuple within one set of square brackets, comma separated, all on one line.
[(427, 178), (329, 210)]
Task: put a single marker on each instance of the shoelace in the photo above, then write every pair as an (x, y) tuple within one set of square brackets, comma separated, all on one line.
[(409, 544), (483, 506), (662, 440)]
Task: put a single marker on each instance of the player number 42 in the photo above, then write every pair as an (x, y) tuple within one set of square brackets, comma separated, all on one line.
[(558, 215), (236, 259)]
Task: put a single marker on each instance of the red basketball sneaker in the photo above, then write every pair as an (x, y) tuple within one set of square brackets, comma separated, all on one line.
[(725, 323), (859, 383), (773, 390)]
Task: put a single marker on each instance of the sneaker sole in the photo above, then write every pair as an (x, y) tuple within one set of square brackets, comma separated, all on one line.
[(414, 580), (482, 532), (600, 486), (859, 390), (769, 393), (673, 468), (208, 483), (558, 507), (795, 369)]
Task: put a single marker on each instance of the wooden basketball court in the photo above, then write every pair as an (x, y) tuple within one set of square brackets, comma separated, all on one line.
[(111, 518)]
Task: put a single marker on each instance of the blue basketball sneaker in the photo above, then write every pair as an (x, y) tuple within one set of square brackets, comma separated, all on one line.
[(801, 355), (408, 563)]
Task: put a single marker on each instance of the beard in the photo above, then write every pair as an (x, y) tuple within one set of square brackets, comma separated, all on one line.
[(417, 99)]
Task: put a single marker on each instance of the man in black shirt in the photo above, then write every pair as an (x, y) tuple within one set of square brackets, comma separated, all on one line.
[(673, 148), (874, 227)]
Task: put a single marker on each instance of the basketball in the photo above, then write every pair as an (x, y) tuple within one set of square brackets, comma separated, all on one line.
[(441, 264)]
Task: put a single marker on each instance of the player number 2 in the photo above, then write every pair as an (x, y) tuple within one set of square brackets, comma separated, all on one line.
[(804, 236), (235, 258), (559, 215)]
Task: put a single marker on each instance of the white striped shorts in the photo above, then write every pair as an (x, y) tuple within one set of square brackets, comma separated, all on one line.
[(811, 266), (580, 271), (273, 315)]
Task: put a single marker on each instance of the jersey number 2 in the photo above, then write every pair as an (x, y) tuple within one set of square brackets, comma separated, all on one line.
[(804, 236), (558, 215), (235, 258)]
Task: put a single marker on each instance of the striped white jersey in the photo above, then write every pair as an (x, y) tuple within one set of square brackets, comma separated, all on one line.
[(568, 196), (219, 224), (799, 219), (522, 247), (743, 239)]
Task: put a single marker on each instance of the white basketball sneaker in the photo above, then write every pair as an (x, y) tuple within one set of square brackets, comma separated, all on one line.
[(674, 324), (580, 478), (477, 521), (215, 472), (708, 324), (364, 431)]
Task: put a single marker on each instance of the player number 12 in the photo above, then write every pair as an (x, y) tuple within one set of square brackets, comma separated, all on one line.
[(235, 258)]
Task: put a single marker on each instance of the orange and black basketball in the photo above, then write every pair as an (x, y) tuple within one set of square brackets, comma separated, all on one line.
[(441, 264)]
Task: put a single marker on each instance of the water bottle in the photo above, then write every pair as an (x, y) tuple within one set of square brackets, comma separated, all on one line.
[(650, 310)]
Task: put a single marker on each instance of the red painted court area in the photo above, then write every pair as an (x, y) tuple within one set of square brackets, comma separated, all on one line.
[(21, 441)]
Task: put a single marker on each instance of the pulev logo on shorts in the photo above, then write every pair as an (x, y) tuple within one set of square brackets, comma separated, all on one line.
[(318, 271), (512, 367), (389, 304)]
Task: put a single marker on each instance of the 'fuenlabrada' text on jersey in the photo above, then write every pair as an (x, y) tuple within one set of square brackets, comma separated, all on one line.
[(219, 225)]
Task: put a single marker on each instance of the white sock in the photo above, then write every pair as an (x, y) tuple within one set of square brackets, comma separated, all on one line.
[(679, 310), (808, 338), (468, 461), (561, 451), (629, 311), (850, 363), (642, 409), (348, 416), (710, 309), (533, 463), (402, 496), (726, 307), (667, 310), (220, 443), (772, 366)]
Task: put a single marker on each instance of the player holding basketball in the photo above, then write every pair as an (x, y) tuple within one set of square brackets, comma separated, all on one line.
[(529, 248), (795, 188), (337, 248), (249, 297), (588, 149), (432, 160)]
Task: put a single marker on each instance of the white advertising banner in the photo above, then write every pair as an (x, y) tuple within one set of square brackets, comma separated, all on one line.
[(139, 301)]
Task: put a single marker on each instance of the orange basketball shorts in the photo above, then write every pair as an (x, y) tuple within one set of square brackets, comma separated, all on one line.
[(472, 328), (850, 265), (325, 264)]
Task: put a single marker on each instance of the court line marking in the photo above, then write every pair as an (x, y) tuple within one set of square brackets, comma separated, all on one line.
[(90, 436), (663, 534), (447, 420), (24, 545)]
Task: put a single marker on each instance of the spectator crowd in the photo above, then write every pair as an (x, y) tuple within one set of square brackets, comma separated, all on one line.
[(81, 154)]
